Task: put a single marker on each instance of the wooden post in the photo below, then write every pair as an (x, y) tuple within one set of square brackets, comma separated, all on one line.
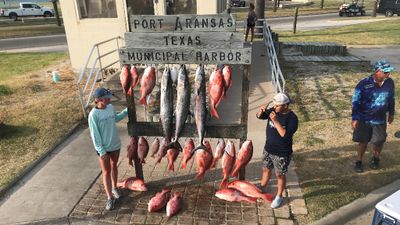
[(130, 100), (296, 12), (245, 110)]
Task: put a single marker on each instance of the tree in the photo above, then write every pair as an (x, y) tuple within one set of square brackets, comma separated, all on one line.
[(56, 12)]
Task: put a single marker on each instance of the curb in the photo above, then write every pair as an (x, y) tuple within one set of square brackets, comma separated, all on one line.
[(31, 166), (358, 207)]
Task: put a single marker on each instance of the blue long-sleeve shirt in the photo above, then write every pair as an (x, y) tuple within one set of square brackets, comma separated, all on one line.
[(103, 129), (275, 144), (370, 103)]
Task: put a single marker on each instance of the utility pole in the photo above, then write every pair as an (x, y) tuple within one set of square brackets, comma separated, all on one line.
[(56, 12), (260, 9)]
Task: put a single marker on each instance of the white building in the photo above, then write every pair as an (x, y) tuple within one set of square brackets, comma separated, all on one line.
[(88, 22)]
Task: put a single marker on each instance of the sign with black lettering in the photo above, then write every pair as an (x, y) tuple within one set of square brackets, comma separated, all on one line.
[(185, 55), (182, 23), (175, 40)]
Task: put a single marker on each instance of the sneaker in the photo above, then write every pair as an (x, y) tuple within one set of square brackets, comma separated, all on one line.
[(262, 189), (116, 193), (277, 202), (374, 163), (359, 167), (110, 204)]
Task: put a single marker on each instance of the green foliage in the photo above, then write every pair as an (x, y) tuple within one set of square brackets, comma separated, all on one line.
[(4, 90), (15, 64)]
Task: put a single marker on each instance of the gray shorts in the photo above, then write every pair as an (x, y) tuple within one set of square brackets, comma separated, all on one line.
[(376, 134), (279, 163)]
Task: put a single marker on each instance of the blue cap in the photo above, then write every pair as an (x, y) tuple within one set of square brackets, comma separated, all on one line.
[(102, 93), (383, 65)]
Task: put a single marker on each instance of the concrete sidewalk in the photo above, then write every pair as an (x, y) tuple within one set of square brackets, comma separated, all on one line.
[(56, 191)]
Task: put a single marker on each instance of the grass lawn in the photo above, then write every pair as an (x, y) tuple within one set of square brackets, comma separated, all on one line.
[(385, 32), (35, 113), (11, 63), (323, 150)]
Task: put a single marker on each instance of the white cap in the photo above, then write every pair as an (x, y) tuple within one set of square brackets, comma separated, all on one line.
[(281, 99)]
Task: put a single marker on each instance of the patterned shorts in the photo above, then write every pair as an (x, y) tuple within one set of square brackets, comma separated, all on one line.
[(279, 163)]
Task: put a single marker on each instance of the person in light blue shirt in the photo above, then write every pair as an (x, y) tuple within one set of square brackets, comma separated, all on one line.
[(104, 133), (372, 100)]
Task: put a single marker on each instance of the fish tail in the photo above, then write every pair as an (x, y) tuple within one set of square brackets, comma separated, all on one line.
[(183, 165), (235, 172), (200, 176), (171, 167), (142, 100), (267, 198), (214, 112), (200, 146), (214, 163), (224, 183)]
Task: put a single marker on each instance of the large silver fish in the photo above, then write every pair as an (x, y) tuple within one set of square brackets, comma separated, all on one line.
[(166, 104), (200, 108), (182, 105)]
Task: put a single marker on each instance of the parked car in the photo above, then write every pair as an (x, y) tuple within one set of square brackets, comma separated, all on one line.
[(27, 9), (387, 211), (389, 7), (238, 3), (351, 9)]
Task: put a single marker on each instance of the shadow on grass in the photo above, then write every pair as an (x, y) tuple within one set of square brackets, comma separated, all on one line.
[(11, 131), (327, 176)]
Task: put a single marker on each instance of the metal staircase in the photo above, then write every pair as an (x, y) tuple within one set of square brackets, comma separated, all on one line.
[(95, 73)]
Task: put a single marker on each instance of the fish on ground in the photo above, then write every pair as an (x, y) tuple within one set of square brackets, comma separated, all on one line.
[(250, 190), (174, 205), (159, 201), (232, 195), (132, 183)]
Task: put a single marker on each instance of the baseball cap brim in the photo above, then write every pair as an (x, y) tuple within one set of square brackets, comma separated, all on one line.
[(106, 96), (387, 69)]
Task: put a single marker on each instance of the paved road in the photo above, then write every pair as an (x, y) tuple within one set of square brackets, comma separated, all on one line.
[(50, 42)]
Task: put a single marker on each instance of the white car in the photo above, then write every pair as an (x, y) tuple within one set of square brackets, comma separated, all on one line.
[(27, 9)]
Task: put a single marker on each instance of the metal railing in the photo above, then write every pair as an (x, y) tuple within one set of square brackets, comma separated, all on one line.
[(278, 81), (95, 74)]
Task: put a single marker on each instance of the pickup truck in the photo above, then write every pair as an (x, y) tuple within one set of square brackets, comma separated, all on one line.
[(27, 9)]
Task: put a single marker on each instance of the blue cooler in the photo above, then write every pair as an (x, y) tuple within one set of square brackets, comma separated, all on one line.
[(387, 211)]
